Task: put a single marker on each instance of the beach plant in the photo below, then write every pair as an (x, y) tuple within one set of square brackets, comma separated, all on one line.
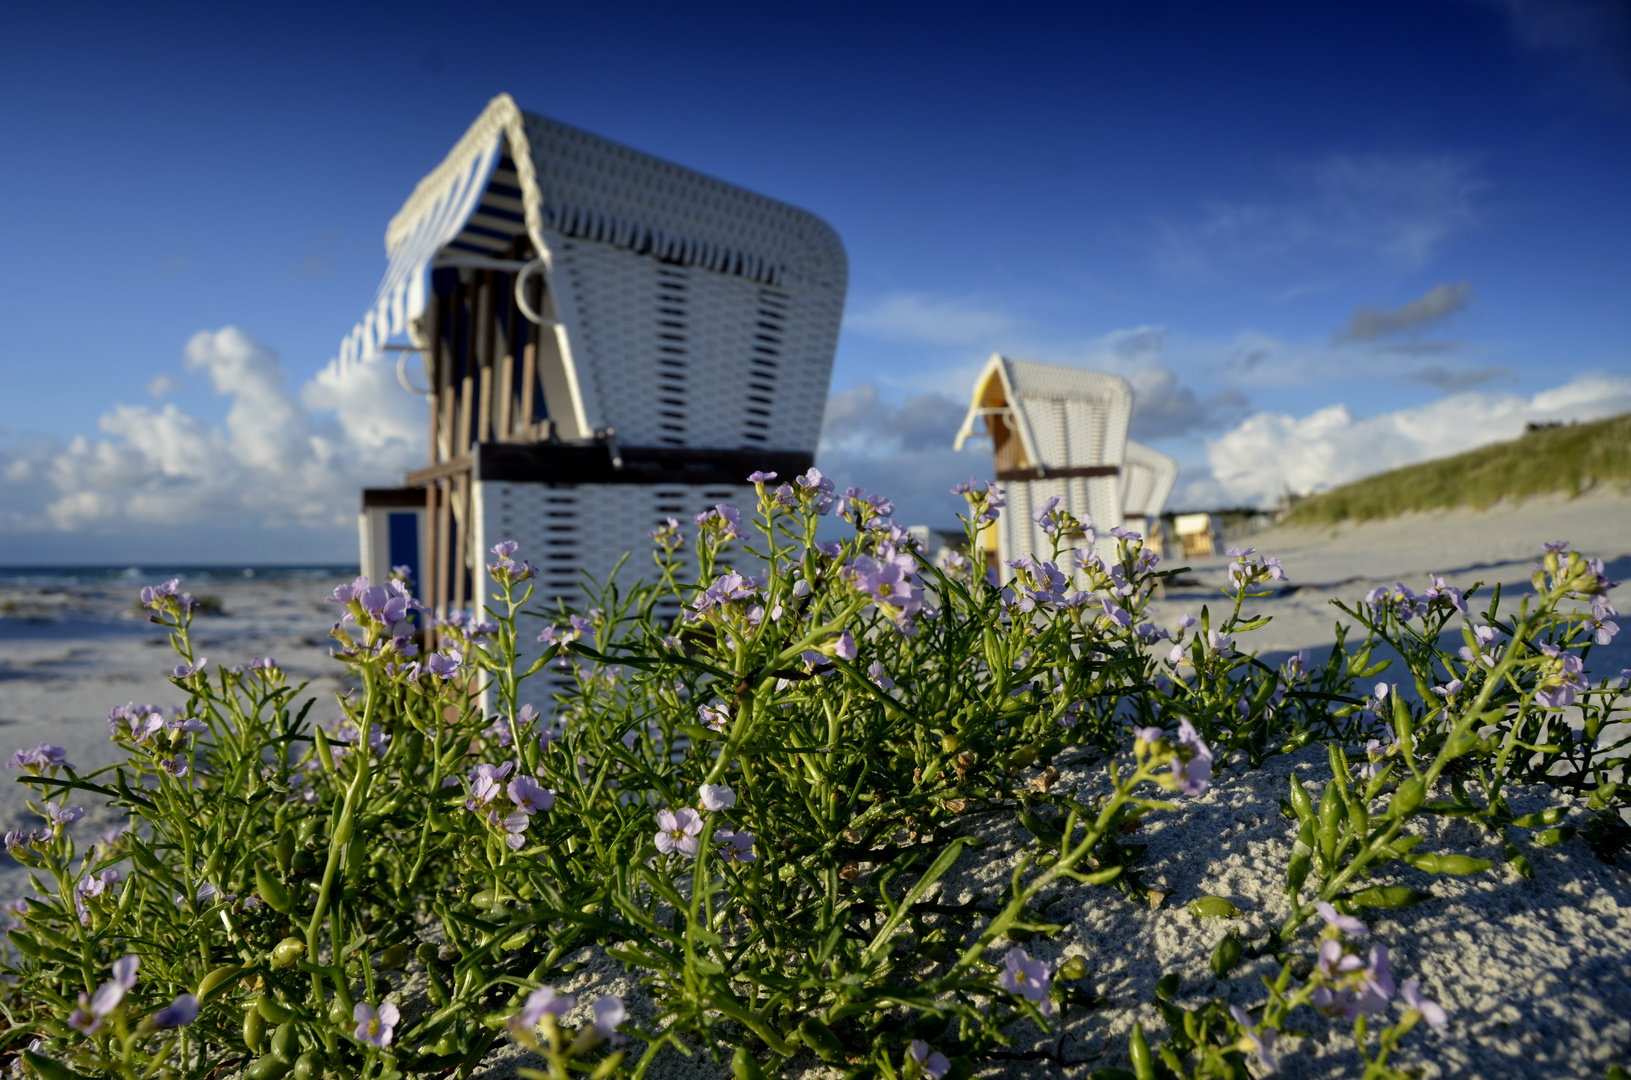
[(752, 806)]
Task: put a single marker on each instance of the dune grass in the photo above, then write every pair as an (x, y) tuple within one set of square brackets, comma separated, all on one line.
[(1570, 459)]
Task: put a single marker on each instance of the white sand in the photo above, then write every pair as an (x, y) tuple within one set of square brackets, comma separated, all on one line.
[(1536, 974)]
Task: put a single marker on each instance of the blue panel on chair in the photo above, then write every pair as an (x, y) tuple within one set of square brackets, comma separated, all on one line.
[(404, 543)]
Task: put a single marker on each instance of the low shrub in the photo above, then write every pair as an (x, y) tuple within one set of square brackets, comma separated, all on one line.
[(750, 806)]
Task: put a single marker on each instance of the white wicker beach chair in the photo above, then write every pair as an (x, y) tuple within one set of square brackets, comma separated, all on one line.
[(1054, 431), (609, 339)]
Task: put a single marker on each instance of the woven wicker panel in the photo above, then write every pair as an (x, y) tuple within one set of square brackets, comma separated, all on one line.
[(572, 531), (1147, 477)]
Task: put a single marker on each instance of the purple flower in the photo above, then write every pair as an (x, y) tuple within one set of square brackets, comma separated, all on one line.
[(608, 1008), (486, 781), (375, 1028), (727, 520), (43, 756), (1262, 1043), (64, 815), (514, 825), (716, 797), (187, 671), (545, 1002), (1347, 924), (1220, 643), (529, 796), (757, 477), (678, 830), (179, 1013), (1431, 1011), (735, 846), (505, 548), (444, 666), (343, 594), (875, 671), (1377, 989), (1027, 978), (1192, 767), (714, 717), (932, 1062), (844, 648), (1151, 735)]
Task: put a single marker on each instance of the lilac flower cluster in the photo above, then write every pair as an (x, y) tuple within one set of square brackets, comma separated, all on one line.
[(505, 570), (526, 795), (1246, 571), (679, 831)]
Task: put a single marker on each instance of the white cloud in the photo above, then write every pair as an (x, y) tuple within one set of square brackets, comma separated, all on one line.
[(1270, 453), (1164, 407), (160, 386), (273, 463), (1395, 208)]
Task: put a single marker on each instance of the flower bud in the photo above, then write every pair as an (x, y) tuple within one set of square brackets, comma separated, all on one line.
[(215, 979)]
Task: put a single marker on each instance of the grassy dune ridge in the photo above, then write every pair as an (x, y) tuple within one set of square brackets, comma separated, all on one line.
[(1569, 459)]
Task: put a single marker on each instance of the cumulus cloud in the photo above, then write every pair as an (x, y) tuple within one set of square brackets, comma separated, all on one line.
[(902, 450), (161, 386), (1395, 208), (276, 460), (1440, 302), (1163, 407), (1270, 453)]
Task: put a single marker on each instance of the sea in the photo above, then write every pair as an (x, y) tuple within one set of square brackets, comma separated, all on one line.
[(45, 577)]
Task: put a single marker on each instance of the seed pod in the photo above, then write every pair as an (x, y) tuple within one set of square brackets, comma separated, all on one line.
[(1554, 837), (284, 1043), (1409, 796), (396, 957), (1072, 969), (308, 1066), (1389, 896), (324, 754), (948, 743), (272, 891), (254, 1028), (1227, 954), (1302, 857), (356, 857), (1546, 817), (1448, 864), (284, 851), (273, 1010), (304, 862), (1300, 801), (270, 1067), (744, 1067), (1519, 861), (1331, 812), (1022, 758), (820, 1039), (1358, 816), (287, 951), (1139, 1051), (1213, 907), (216, 978), (1167, 986)]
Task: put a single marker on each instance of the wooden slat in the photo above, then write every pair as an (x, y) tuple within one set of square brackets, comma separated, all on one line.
[(467, 384), (461, 543), (484, 335), (505, 416), (444, 535), (439, 471), (529, 367), (425, 587)]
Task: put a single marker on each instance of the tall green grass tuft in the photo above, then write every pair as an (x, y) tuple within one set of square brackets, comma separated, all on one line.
[(1568, 459)]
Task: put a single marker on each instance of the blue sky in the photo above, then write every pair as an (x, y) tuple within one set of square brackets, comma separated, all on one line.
[(1413, 214)]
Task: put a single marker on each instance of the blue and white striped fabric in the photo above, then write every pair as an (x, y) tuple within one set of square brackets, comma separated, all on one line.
[(401, 295)]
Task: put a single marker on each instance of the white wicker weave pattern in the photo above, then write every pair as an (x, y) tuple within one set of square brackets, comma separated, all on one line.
[(629, 239), (1147, 477), (570, 531)]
